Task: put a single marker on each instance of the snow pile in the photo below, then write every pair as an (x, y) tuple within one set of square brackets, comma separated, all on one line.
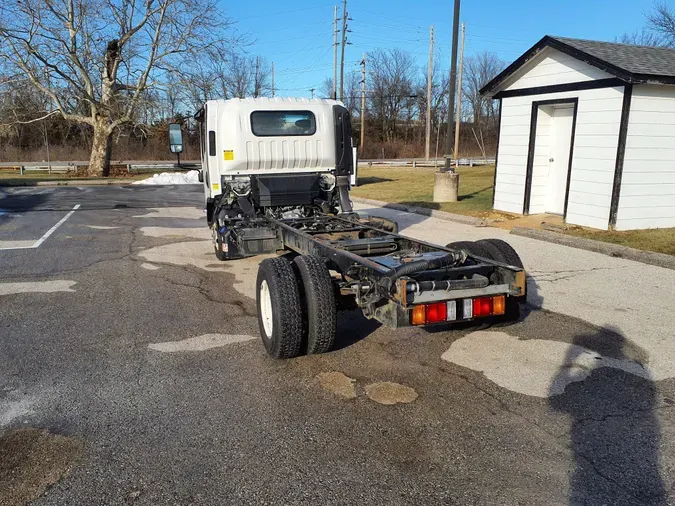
[(191, 177)]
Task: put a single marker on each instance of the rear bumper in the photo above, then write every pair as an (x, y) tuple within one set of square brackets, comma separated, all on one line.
[(395, 315)]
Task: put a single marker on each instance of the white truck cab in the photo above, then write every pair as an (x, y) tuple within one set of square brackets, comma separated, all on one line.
[(275, 157)]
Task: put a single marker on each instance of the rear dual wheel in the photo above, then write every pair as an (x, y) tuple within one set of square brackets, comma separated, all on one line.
[(296, 306), (279, 310)]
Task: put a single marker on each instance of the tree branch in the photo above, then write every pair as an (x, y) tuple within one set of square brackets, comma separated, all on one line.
[(35, 120)]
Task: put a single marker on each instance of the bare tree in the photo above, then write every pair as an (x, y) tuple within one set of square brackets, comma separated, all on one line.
[(479, 69), (326, 89), (392, 74), (642, 37), (439, 93), (661, 21), (660, 29), (95, 59), (247, 76)]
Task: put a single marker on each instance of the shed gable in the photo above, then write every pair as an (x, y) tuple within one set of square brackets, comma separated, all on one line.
[(552, 67)]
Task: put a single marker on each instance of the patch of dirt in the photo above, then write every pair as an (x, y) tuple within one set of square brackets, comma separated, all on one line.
[(388, 393), (337, 383), (32, 460)]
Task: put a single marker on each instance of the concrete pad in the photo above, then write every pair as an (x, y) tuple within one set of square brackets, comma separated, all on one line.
[(16, 244), (177, 233), (540, 368), (37, 287), (199, 343), (634, 298), (200, 254), (173, 212)]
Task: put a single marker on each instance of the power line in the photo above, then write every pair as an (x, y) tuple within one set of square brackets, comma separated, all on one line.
[(275, 14), (286, 40)]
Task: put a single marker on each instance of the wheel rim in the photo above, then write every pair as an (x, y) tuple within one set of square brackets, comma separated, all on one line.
[(266, 308)]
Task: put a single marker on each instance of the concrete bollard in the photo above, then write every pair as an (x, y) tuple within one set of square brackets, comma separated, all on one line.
[(446, 186)]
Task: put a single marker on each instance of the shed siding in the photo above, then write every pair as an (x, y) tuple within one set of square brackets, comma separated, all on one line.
[(648, 184), (553, 67), (595, 146)]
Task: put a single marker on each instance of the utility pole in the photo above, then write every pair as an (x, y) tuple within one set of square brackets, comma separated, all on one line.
[(273, 79), (311, 90), (430, 73), (363, 100), (335, 50), (451, 97), (342, 58), (459, 96)]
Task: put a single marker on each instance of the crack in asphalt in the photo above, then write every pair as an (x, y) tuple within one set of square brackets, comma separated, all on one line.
[(646, 499), (500, 402), (562, 275), (627, 414)]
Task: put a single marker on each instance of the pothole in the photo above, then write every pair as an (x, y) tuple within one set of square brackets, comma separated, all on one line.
[(337, 383), (32, 460), (388, 393)]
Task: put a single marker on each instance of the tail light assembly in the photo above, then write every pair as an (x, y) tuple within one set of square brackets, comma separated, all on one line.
[(458, 310)]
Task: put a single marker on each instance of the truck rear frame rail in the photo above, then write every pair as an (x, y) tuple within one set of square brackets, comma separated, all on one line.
[(387, 275)]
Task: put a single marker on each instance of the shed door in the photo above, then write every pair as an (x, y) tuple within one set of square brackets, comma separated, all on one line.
[(559, 161)]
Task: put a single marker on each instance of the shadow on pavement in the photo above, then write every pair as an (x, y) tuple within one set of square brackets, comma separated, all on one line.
[(10, 204), (403, 218), (614, 432), (352, 327), (363, 181)]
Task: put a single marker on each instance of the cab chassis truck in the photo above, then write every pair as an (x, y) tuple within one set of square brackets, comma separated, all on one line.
[(276, 180)]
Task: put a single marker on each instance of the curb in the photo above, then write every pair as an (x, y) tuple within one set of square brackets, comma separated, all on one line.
[(441, 215), (609, 249)]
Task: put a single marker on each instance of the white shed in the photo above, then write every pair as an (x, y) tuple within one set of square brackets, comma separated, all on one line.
[(587, 130)]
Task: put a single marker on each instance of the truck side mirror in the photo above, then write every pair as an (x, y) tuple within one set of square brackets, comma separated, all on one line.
[(175, 138)]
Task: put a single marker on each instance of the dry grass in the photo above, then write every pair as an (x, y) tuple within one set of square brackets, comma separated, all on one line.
[(660, 240), (416, 187)]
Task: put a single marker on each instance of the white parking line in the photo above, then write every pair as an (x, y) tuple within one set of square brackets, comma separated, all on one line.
[(24, 245)]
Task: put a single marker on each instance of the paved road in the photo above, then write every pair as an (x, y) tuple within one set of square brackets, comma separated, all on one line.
[(121, 332)]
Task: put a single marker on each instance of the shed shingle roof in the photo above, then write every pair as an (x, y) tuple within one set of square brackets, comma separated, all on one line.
[(632, 64), (657, 61)]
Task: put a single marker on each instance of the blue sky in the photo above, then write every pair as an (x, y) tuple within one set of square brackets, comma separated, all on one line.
[(297, 35)]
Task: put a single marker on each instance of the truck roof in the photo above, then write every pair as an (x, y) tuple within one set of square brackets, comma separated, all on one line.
[(277, 101)]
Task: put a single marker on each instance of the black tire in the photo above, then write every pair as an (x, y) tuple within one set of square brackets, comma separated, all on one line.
[(493, 253), (284, 305), (508, 254), (505, 254), (492, 249), (473, 248), (318, 303)]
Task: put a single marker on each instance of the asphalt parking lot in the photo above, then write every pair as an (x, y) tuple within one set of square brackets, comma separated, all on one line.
[(124, 338)]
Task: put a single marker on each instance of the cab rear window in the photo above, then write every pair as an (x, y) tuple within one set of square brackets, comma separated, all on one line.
[(283, 123)]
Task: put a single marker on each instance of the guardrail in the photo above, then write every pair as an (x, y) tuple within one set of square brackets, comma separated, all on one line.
[(470, 162), (130, 167)]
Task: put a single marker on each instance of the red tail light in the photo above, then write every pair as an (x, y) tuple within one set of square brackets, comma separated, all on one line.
[(437, 312), (482, 307)]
